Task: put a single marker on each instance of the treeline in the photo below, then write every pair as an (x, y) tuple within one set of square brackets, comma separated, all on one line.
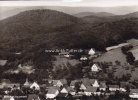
[(129, 56)]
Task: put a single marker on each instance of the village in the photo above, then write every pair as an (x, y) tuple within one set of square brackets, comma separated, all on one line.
[(93, 85)]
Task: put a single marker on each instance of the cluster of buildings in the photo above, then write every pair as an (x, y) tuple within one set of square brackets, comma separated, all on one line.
[(62, 89)]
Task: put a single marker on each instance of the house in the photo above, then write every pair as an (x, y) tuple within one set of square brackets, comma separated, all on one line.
[(35, 86), (6, 97), (90, 90), (83, 86), (59, 83), (103, 86), (52, 93), (95, 68), (91, 52), (133, 93), (33, 97), (27, 84), (64, 90), (123, 89), (3, 62), (67, 90), (114, 87), (94, 83), (84, 83)]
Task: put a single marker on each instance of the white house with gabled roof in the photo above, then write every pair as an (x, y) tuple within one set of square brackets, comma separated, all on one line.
[(91, 52), (96, 84), (68, 90), (35, 85), (95, 68)]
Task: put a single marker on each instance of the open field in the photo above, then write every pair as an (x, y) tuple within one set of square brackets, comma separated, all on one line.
[(112, 56)]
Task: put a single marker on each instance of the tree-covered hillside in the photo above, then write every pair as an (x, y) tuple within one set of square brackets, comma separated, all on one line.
[(59, 30)]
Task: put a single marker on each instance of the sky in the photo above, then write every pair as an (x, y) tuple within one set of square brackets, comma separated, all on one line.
[(118, 7), (81, 3)]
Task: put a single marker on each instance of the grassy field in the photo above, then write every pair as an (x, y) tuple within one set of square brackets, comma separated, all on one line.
[(121, 70), (134, 74), (112, 56)]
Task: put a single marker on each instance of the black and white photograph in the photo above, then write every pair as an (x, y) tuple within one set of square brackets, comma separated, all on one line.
[(69, 50)]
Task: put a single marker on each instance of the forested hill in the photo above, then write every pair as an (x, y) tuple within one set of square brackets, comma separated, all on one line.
[(54, 29)]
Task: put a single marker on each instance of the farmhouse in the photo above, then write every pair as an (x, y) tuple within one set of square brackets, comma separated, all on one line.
[(95, 68)]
